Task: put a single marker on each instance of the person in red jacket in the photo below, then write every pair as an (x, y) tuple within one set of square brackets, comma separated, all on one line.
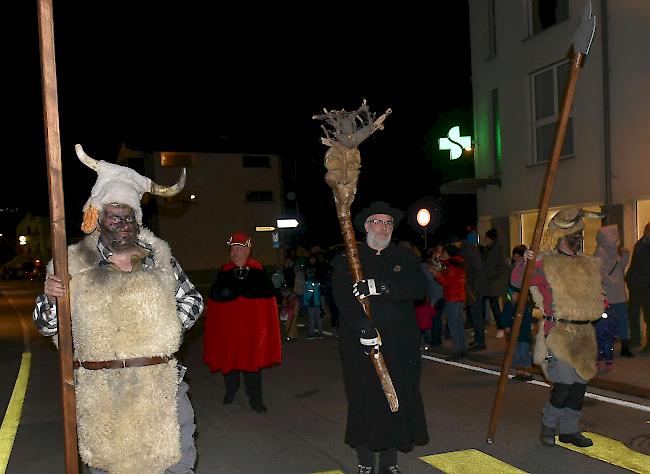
[(452, 279), (242, 328)]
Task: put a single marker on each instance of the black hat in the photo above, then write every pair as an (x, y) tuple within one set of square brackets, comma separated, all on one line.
[(377, 207)]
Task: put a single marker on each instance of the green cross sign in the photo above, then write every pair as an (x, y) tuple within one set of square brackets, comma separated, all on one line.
[(454, 143)]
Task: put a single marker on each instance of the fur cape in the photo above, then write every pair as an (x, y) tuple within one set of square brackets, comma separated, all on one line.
[(127, 418), (577, 296)]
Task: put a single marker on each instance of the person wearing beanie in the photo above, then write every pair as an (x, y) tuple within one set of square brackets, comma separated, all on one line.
[(242, 326), (130, 304)]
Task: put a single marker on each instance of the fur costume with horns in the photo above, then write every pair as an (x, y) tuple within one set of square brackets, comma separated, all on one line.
[(127, 418), (569, 289)]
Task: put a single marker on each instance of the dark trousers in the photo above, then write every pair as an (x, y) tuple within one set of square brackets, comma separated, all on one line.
[(494, 306), (252, 383), (387, 457), (436, 329), (478, 321), (639, 299)]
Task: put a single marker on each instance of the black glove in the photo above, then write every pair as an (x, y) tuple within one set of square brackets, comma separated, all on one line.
[(371, 287), (368, 336)]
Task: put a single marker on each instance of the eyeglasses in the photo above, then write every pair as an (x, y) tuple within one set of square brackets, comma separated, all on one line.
[(386, 224)]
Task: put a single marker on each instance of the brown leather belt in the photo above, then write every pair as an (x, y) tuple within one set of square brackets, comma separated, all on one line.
[(119, 364)]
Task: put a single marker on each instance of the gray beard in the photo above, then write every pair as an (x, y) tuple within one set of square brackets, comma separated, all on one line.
[(377, 243)]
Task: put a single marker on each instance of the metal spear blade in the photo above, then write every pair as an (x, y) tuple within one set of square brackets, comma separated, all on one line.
[(585, 33)]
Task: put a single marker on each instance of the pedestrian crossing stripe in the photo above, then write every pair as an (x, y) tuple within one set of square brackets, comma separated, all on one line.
[(613, 452), (465, 462), (11, 419)]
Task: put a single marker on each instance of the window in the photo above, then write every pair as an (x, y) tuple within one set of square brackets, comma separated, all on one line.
[(176, 159), (495, 132), (546, 13), (642, 216), (256, 161), (259, 196), (492, 32), (548, 89), (529, 219)]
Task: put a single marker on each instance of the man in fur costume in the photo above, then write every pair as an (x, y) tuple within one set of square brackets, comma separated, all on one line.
[(393, 281), (130, 304), (242, 327), (566, 286)]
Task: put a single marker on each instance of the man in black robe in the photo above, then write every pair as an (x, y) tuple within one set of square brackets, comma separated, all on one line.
[(393, 280)]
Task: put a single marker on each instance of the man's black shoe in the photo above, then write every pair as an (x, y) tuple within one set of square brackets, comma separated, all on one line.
[(389, 470), (626, 352), (258, 407), (576, 439), (228, 398)]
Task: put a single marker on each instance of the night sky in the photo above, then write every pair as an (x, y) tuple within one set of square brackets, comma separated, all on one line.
[(242, 79)]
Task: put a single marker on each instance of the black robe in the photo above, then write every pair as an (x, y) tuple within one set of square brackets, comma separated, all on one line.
[(370, 421)]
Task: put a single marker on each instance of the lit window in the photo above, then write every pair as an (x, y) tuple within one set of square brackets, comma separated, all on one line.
[(547, 93)]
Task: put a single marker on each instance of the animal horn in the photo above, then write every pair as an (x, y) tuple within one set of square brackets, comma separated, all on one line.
[(563, 223), (592, 214), (169, 191), (91, 163)]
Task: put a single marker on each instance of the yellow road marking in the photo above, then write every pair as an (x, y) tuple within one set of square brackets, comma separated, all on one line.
[(612, 452), (465, 462), (14, 410)]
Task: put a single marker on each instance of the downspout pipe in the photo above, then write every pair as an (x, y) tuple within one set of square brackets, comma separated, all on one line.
[(607, 144)]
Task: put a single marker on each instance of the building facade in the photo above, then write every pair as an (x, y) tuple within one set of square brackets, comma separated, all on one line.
[(224, 193), (521, 52)]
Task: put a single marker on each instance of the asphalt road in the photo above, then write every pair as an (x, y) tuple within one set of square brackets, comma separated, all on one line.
[(303, 430)]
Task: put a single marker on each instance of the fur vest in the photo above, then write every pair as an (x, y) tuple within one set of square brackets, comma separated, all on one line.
[(127, 418), (577, 296)]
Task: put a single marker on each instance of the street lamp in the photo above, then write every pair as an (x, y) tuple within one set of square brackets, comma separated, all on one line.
[(423, 218)]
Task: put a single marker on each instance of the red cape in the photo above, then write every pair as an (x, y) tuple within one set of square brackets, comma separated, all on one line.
[(242, 334)]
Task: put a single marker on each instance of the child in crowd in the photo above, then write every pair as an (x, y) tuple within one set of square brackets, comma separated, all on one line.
[(522, 361), (451, 275), (289, 313)]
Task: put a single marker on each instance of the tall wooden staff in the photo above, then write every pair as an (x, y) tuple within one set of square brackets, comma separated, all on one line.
[(581, 44), (57, 219), (343, 161)]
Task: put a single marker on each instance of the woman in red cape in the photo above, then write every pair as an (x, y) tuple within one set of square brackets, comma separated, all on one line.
[(242, 329)]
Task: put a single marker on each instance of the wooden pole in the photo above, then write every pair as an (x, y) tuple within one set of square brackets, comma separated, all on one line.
[(57, 219), (343, 161), (551, 172)]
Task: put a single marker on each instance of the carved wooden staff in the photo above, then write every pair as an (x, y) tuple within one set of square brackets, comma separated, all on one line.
[(581, 43), (57, 219), (343, 161)]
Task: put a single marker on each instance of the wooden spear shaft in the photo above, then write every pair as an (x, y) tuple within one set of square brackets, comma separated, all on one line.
[(57, 219), (545, 197)]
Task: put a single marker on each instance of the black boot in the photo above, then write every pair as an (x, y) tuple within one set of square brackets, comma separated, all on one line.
[(389, 470), (548, 436), (576, 439), (625, 349)]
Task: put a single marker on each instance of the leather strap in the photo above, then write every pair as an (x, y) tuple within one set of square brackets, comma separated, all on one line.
[(120, 364)]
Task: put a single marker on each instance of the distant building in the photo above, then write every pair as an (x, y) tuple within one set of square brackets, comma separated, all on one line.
[(224, 193), (520, 62), (33, 238)]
